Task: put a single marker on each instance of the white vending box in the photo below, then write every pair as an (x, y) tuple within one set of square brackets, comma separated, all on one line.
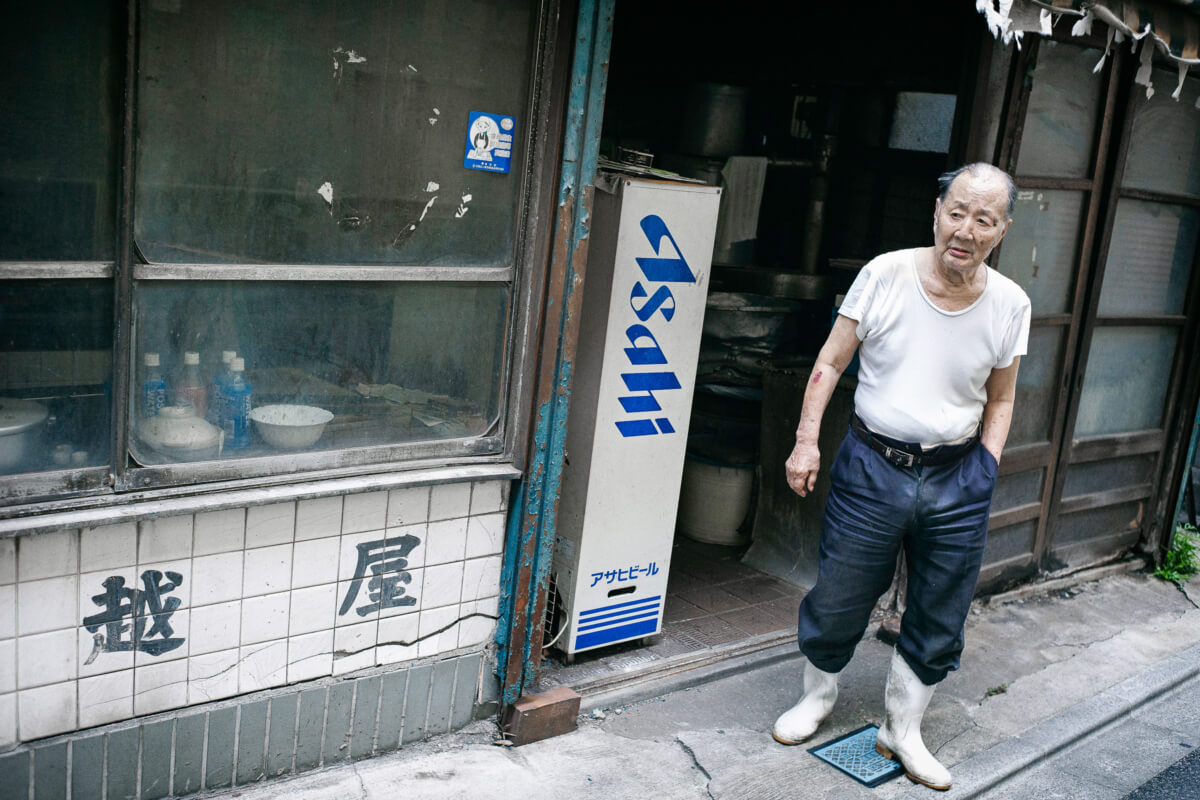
[(649, 254)]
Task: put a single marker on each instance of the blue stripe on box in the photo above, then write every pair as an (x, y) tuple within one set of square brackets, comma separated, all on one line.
[(631, 631), (593, 611), (649, 605), (642, 613)]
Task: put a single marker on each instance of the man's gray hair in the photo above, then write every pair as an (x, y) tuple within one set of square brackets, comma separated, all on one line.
[(979, 169)]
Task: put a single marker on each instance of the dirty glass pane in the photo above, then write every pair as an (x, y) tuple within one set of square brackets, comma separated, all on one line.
[(1039, 250), (1064, 105), (1164, 149), (61, 68), (370, 363), (1018, 489), (1149, 259), (1100, 476), (1008, 543), (1037, 386), (1125, 387), (330, 132), (55, 374)]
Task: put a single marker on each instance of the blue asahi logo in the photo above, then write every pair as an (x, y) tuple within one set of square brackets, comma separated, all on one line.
[(644, 349)]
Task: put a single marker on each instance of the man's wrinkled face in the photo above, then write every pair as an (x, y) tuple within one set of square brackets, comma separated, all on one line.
[(970, 221)]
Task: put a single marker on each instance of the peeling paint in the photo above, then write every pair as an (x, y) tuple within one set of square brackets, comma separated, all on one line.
[(412, 68), (437, 111), (354, 58), (432, 187)]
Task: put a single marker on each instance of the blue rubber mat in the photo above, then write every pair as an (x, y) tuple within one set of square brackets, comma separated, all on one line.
[(854, 754)]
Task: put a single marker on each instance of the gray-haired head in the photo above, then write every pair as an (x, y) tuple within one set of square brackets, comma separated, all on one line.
[(980, 169)]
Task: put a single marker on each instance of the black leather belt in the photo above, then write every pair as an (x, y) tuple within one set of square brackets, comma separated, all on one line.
[(910, 454)]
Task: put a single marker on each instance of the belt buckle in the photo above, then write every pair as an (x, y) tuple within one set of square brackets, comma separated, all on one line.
[(899, 457)]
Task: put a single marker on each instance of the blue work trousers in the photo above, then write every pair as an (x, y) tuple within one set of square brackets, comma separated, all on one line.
[(938, 514)]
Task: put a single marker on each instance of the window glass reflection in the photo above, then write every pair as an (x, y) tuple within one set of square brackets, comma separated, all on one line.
[(330, 133), (55, 367), (1064, 106), (60, 77), (312, 366)]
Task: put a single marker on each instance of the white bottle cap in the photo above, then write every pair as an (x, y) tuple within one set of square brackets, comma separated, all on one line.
[(227, 355), (238, 365), (151, 359), (191, 358)]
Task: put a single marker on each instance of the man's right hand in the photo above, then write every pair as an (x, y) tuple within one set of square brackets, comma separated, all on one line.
[(802, 467)]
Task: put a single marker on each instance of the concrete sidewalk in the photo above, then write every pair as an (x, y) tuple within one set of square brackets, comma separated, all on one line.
[(1048, 673)]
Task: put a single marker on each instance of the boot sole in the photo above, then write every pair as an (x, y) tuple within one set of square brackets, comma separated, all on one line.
[(890, 756), (787, 742)]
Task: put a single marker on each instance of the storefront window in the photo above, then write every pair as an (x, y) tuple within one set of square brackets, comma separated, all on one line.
[(60, 91), (55, 374), (324, 366), (328, 134)]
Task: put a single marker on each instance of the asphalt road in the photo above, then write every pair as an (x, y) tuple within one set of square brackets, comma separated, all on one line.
[(1180, 781)]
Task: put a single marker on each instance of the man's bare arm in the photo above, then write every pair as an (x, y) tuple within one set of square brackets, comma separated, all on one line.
[(1001, 388), (805, 461)]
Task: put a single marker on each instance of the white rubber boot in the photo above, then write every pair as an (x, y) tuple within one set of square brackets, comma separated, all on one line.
[(802, 720), (900, 737)]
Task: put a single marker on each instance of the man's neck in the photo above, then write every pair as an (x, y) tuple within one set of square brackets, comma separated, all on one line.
[(950, 289)]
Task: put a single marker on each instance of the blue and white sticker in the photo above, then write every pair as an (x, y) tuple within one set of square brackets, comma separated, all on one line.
[(489, 141)]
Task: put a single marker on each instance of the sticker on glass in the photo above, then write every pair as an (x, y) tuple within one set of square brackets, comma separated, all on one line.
[(489, 141)]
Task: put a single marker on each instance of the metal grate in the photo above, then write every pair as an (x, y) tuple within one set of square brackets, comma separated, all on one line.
[(854, 754)]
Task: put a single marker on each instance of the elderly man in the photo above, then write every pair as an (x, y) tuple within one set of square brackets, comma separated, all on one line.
[(940, 337)]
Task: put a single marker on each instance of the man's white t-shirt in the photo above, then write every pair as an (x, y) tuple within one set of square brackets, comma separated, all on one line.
[(923, 369)]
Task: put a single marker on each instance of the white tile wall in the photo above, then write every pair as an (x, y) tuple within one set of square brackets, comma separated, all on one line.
[(265, 618), (447, 541), (262, 666), (105, 698), (268, 569), (259, 600), (219, 532), (318, 518), (108, 547), (8, 666), (315, 561), (488, 496), (164, 539), (8, 611), (8, 561), (47, 658), (217, 578), (48, 555), (364, 512), (310, 656), (47, 605), (408, 506), (46, 710), (215, 627), (450, 500), (485, 535), (273, 524), (354, 646), (212, 676), (8, 719), (159, 687), (442, 586)]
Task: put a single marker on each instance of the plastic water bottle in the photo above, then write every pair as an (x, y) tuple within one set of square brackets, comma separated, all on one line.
[(154, 388), (235, 406), (219, 380), (191, 391)]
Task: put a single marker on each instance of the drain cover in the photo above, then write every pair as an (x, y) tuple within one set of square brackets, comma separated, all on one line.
[(854, 754)]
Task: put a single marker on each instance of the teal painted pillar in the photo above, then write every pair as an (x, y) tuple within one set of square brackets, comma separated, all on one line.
[(529, 541)]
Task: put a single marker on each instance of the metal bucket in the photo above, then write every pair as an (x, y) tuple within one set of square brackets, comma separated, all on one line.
[(714, 120)]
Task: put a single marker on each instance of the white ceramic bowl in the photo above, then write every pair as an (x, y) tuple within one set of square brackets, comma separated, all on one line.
[(290, 427)]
